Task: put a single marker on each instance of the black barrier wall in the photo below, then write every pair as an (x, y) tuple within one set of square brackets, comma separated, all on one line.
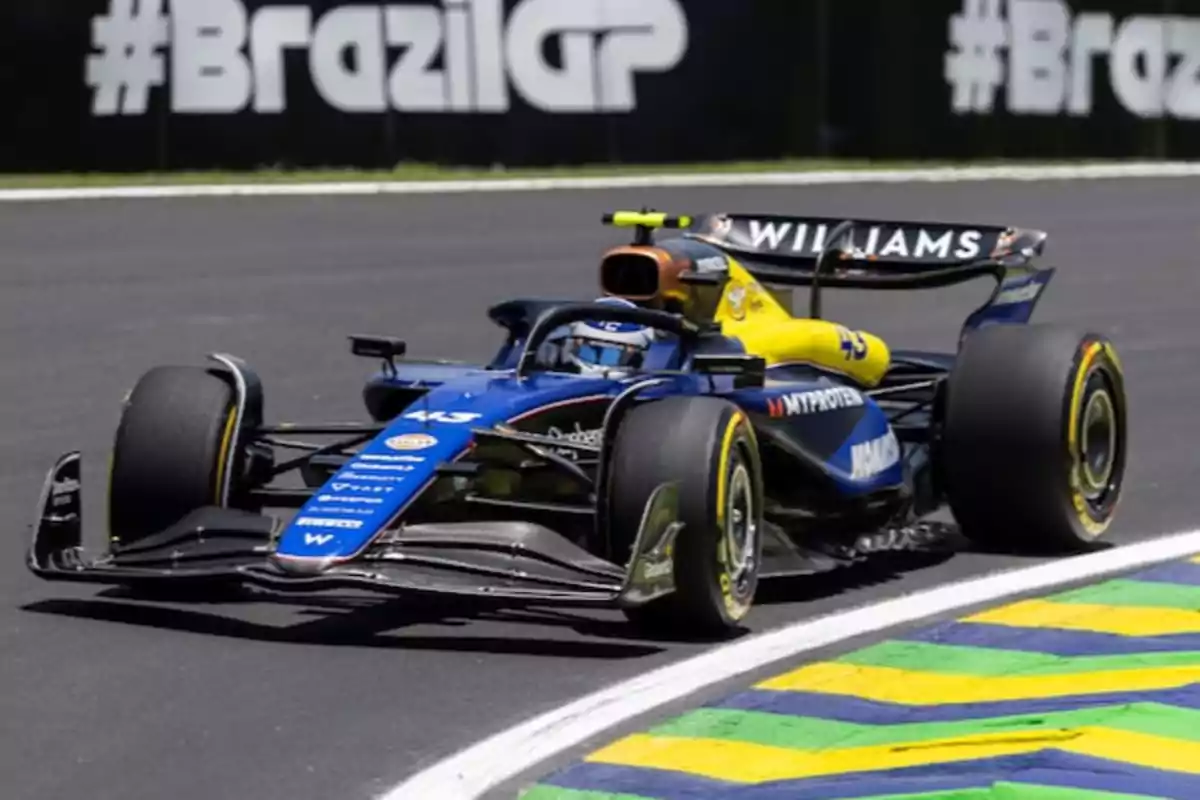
[(173, 84)]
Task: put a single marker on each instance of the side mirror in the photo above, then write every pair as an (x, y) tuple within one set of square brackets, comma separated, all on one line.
[(748, 371), (386, 348)]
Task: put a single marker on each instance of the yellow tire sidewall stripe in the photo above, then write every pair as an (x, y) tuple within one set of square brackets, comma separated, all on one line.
[(223, 453)]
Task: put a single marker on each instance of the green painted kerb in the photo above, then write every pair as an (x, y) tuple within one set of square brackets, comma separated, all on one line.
[(943, 659)]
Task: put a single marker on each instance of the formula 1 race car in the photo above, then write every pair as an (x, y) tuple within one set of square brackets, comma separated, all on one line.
[(658, 450)]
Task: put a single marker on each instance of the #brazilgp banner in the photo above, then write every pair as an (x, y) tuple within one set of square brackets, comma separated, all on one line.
[(134, 84), (1021, 78), (168, 84)]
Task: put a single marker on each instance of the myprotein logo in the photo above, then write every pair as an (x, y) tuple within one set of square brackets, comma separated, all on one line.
[(1054, 56), (818, 400), (456, 56)]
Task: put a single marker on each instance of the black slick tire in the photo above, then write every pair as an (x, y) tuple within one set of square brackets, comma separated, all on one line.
[(708, 446), (170, 451), (1034, 442)]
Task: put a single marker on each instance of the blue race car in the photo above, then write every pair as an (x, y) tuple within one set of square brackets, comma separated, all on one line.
[(659, 450)]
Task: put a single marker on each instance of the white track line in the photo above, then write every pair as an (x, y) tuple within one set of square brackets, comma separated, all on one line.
[(502, 757), (1043, 172)]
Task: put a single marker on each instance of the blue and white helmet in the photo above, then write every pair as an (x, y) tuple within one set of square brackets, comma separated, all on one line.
[(601, 347)]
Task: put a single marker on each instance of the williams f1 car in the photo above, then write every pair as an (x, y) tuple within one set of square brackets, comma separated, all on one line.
[(658, 451)]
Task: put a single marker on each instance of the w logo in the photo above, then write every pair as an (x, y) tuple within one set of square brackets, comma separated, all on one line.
[(318, 539)]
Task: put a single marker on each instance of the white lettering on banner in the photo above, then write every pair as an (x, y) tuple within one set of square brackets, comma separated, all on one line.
[(869, 459), (329, 522), (1153, 62), (376, 57), (896, 241)]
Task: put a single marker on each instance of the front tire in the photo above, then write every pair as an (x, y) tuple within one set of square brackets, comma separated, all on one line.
[(171, 451), (1035, 437), (708, 446)]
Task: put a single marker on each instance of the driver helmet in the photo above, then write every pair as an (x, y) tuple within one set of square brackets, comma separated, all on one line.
[(600, 347)]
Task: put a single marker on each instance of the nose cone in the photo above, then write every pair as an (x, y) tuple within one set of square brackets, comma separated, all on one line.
[(301, 566)]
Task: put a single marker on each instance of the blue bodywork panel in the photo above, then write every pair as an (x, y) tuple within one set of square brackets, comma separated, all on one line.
[(374, 488)]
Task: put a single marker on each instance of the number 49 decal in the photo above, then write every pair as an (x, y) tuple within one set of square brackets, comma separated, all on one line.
[(449, 417)]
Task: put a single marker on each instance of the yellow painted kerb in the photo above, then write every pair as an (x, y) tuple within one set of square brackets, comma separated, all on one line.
[(745, 762), (891, 685), (1119, 620)]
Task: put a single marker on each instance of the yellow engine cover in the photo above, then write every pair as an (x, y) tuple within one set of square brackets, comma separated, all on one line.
[(751, 314)]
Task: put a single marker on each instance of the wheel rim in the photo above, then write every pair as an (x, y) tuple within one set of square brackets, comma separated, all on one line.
[(1099, 451), (741, 532), (1098, 444)]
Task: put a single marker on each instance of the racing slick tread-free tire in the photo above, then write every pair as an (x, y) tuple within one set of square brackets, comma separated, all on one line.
[(168, 456), (708, 446), (1035, 437)]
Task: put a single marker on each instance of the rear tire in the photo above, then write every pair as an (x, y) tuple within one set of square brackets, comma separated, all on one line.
[(170, 451), (708, 445), (1035, 437)]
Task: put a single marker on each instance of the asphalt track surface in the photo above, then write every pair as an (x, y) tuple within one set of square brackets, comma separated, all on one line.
[(108, 699)]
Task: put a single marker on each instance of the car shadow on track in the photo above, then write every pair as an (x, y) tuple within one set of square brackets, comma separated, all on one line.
[(868, 574), (351, 621), (342, 622), (372, 623)]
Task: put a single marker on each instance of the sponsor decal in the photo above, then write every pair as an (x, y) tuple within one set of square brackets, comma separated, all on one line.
[(878, 241), (711, 265), (814, 401), (653, 570), (357, 487), (362, 512), (62, 492), (329, 522), (447, 417), (869, 459), (319, 539), (411, 441), (737, 302), (390, 458), (384, 467), (455, 57), (357, 476), (590, 437), (1019, 294), (334, 498), (1049, 61)]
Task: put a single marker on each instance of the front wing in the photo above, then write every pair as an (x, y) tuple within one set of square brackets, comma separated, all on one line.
[(505, 563)]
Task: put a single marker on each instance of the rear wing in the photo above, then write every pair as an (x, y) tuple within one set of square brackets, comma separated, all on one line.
[(866, 253), (832, 252)]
